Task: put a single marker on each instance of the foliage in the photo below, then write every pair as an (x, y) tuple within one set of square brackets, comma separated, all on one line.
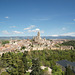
[(19, 63), (5, 42), (69, 71), (69, 43), (4, 73), (56, 70), (27, 73), (57, 45), (23, 47), (36, 70)]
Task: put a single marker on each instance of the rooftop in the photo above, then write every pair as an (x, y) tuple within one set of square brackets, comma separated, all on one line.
[(65, 62)]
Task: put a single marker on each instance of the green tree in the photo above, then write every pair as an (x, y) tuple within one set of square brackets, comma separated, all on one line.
[(23, 47), (24, 59), (5, 42), (4, 73), (36, 70), (56, 70), (69, 71)]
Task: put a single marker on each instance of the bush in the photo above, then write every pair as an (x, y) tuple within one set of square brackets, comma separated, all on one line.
[(5, 42), (4, 73), (23, 47)]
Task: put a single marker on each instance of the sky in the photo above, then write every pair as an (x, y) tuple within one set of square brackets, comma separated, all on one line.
[(27, 17)]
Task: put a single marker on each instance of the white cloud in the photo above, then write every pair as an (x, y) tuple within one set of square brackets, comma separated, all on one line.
[(65, 34), (12, 26), (6, 17), (36, 30), (13, 32), (73, 19), (5, 32), (17, 32), (69, 34), (32, 26)]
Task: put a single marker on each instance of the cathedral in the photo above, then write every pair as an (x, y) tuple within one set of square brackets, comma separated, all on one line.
[(38, 39)]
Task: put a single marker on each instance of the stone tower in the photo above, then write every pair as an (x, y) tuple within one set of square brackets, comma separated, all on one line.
[(38, 34), (37, 38)]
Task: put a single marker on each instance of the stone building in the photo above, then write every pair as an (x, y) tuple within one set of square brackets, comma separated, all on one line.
[(66, 48), (39, 40), (64, 64), (37, 48), (62, 48), (54, 48)]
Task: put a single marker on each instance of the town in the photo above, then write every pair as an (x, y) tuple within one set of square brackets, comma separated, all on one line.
[(37, 43), (37, 37)]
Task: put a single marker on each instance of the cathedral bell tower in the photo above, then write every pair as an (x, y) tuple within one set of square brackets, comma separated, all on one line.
[(38, 35)]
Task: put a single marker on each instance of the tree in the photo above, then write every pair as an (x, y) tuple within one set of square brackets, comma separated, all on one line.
[(69, 71), (56, 70), (20, 68), (23, 47), (36, 70), (24, 59), (4, 73), (5, 42)]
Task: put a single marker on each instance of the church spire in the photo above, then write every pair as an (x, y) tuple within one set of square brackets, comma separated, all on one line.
[(38, 34)]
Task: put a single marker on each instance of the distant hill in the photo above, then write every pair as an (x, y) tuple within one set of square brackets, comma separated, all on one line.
[(59, 37), (30, 37)]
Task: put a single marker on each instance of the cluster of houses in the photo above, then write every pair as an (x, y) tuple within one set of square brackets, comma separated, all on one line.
[(14, 45), (41, 44), (37, 43)]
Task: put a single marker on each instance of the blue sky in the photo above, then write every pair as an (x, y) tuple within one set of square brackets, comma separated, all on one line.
[(27, 17)]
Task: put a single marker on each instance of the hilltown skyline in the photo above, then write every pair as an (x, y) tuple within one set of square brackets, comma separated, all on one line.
[(26, 18), (37, 37), (36, 43)]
